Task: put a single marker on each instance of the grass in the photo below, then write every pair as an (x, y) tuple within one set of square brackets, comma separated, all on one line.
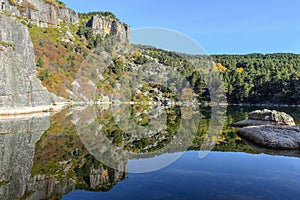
[(7, 44), (56, 3)]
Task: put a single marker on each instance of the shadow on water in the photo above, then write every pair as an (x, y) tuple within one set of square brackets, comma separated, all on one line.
[(43, 157)]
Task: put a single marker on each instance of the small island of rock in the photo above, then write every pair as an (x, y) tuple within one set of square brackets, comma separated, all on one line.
[(270, 129)]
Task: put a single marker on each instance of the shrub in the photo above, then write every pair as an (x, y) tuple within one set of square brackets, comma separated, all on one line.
[(30, 25)]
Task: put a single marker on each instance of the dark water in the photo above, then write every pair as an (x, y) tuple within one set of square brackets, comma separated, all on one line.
[(79, 154)]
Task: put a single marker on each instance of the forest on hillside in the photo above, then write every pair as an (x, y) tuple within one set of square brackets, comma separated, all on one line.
[(253, 78), (258, 78)]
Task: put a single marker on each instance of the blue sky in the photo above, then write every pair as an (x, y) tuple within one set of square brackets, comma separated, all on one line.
[(220, 26)]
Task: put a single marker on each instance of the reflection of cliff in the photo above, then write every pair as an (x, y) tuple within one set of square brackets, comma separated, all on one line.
[(61, 158), (17, 146), (34, 165), (39, 164)]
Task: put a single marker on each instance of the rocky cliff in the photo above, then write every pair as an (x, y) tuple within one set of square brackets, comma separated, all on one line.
[(19, 86), (45, 13), (40, 12), (105, 26)]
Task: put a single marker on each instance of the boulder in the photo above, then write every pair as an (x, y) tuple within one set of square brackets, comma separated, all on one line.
[(273, 137), (266, 117), (270, 129)]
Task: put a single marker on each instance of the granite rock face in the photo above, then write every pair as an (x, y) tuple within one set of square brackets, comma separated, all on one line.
[(19, 85), (40, 12), (273, 137), (266, 117), (104, 26)]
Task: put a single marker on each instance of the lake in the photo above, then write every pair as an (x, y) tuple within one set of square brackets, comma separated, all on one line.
[(141, 152)]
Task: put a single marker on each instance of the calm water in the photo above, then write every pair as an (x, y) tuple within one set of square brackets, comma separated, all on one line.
[(79, 154), (219, 176)]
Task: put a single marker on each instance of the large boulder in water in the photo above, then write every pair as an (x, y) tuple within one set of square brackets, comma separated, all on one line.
[(274, 137), (270, 129), (266, 117)]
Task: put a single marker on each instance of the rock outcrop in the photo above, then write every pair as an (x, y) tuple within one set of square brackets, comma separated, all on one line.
[(273, 137), (19, 85), (45, 13), (106, 26), (270, 129), (40, 12), (266, 117)]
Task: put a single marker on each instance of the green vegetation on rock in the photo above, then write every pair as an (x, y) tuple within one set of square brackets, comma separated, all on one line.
[(7, 44), (106, 14)]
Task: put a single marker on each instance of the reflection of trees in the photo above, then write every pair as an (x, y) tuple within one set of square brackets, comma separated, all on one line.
[(46, 166), (39, 164), (61, 155), (113, 134)]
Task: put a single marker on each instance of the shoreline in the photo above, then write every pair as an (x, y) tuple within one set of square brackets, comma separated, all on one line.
[(58, 106), (12, 112), (262, 104)]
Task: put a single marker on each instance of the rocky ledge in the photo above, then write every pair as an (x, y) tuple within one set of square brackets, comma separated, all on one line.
[(270, 129)]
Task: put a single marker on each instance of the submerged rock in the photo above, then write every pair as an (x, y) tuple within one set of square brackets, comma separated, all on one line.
[(266, 117), (274, 137)]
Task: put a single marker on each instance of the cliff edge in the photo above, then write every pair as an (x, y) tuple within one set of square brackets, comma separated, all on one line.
[(43, 13), (19, 86)]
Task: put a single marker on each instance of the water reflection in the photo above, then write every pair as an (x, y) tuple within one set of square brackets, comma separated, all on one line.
[(43, 157), (18, 138), (120, 133)]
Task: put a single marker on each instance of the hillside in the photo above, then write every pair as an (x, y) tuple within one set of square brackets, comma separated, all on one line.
[(64, 41)]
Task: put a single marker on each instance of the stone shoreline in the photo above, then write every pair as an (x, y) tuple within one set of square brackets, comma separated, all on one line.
[(8, 112)]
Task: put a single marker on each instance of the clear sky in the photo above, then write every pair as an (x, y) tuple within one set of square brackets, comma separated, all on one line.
[(220, 26)]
